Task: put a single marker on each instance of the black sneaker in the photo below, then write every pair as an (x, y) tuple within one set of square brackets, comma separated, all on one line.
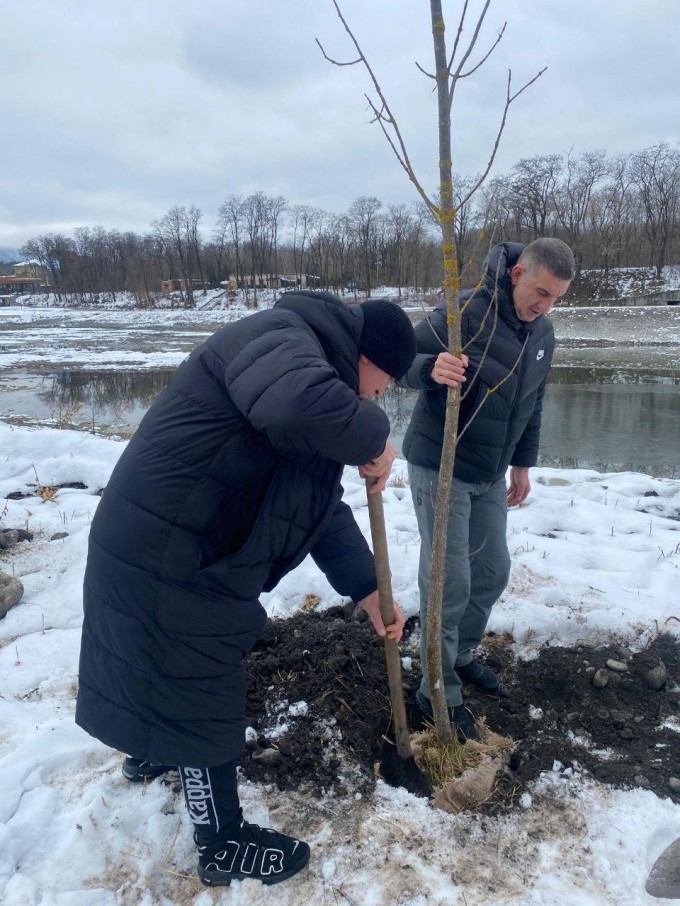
[(461, 718), (483, 679), (253, 852), (138, 771)]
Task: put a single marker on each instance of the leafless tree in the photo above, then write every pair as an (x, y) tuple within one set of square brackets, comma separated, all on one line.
[(496, 207), (534, 181), (364, 219), (656, 175), (573, 195), (56, 253), (304, 217), (608, 216), (173, 232), (398, 222), (276, 206), (192, 218), (466, 223), (231, 221), (451, 67)]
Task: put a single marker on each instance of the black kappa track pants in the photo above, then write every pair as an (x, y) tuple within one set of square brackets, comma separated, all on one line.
[(211, 795)]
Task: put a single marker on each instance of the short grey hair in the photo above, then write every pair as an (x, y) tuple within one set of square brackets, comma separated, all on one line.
[(552, 254)]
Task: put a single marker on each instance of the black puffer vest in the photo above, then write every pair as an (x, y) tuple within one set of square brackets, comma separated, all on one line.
[(507, 356)]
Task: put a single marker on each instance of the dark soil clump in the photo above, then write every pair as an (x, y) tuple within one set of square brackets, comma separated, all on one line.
[(317, 698), (337, 667)]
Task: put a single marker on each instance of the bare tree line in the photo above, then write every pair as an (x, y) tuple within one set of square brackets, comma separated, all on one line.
[(615, 212), (621, 211)]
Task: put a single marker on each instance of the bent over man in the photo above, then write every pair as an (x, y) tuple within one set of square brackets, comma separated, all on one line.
[(231, 479), (508, 344)]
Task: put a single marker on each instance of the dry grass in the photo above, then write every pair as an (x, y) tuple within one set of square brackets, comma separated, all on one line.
[(497, 641), (445, 761), (63, 414), (45, 492), (311, 602)]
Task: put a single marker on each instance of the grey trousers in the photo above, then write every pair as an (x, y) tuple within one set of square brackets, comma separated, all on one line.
[(477, 567)]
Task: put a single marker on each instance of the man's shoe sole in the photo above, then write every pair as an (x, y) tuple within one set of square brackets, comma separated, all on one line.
[(217, 878), (136, 776)]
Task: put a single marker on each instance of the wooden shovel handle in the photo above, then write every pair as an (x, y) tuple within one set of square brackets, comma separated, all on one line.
[(376, 514)]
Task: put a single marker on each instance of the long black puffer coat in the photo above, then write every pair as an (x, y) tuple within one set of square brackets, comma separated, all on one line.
[(232, 478), (505, 429)]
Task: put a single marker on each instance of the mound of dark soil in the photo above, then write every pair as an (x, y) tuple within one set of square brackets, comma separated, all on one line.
[(318, 702)]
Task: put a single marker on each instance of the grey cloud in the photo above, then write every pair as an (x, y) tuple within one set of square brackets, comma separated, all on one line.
[(118, 112)]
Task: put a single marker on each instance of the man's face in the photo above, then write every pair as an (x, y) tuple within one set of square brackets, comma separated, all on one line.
[(373, 381), (535, 291)]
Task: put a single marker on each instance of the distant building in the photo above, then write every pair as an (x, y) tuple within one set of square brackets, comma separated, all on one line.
[(33, 270), (275, 281), (181, 285), (9, 283), (26, 277)]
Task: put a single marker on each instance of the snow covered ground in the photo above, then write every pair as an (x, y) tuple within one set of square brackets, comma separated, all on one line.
[(593, 559), (634, 281), (149, 338)]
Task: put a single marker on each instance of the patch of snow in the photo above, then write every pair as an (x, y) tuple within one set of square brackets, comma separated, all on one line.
[(578, 843)]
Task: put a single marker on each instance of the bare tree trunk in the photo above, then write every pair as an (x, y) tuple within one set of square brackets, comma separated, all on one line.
[(447, 216), (446, 78)]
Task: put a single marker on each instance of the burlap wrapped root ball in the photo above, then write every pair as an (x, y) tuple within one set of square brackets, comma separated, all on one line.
[(462, 776)]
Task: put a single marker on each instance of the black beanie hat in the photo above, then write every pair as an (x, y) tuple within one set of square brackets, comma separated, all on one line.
[(387, 338)]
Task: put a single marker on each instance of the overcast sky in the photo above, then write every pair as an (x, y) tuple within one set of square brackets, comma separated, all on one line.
[(112, 112)]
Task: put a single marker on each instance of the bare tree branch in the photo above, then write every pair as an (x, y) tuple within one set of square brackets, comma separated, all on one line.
[(336, 62), (425, 73), (458, 34), (526, 84), (464, 75), (493, 389), (482, 235), (381, 118), (456, 75), (443, 345), (508, 101), (493, 302)]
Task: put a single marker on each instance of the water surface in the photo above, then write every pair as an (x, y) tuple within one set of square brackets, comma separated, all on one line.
[(609, 407)]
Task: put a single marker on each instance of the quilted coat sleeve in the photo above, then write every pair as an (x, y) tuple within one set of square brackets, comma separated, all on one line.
[(286, 389), (526, 451), (344, 556)]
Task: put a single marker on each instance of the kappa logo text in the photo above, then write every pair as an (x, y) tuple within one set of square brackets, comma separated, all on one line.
[(198, 794)]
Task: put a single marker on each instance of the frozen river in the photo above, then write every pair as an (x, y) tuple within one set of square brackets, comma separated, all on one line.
[(613, 403)]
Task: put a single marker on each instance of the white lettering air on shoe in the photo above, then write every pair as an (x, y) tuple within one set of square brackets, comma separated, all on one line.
[(249, 858), (231, 847), (272, 861)]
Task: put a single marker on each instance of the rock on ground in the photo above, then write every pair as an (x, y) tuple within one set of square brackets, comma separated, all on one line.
[(11, 592)]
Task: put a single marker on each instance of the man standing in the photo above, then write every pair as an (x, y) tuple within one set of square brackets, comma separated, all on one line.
[(231, 479), (508, 344)]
